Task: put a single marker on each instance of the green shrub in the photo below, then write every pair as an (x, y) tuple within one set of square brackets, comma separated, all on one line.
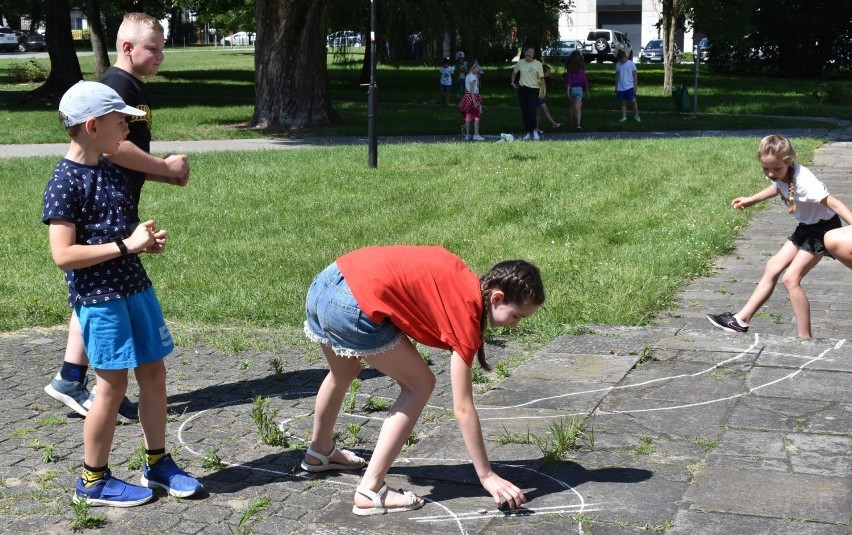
[(28, 72), (833, 93)]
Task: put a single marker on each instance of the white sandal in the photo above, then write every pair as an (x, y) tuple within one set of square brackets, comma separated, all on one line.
[(412, 502), (355, 462)]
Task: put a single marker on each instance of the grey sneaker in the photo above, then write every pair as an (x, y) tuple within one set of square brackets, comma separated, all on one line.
[(727, 322), (128, 412), (72, 394)]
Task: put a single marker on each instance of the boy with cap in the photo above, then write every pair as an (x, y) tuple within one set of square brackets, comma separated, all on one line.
[(139, 53), (88, 207)]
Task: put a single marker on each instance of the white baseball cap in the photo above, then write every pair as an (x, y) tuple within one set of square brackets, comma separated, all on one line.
[(87, 100), (460, 55)]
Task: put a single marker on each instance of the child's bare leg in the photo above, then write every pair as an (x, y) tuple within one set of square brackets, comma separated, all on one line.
[(151, 378), (341, 372), (839, 244), (624, 109), (774, 267), (467, 126), (792, 279), (476, 127), (99, 427), (405, 366), (546, 113), (571, 111), (75, 352), (635, 108), (577, 108)]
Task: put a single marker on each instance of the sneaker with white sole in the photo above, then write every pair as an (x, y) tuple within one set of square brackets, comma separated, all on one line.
[(526, 137), (167, 476), (72, 394), (536, 137), (112, 492), (478, 138), (727, 322)]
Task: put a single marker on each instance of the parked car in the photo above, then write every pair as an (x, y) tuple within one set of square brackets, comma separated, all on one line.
[(602, 45), (344, 38), (239, 38), (560, 50), (29, 41), (653, 52), (8, 40)]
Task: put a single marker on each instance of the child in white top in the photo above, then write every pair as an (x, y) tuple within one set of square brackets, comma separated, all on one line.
[(817, 213), (446, 80), (626, 82)]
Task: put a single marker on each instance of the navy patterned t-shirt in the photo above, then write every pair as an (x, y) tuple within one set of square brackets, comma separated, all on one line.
[(97, 200)]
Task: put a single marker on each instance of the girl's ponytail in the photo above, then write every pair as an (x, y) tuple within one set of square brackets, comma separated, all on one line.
[(520, 282), (780, 147)]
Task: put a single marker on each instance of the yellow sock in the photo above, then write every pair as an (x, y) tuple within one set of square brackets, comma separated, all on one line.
[(90, 477), (152, 458)]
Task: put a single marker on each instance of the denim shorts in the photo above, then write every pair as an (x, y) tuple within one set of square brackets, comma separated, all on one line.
[(576, 93), (809, 237), (123, 334), (334, 319)]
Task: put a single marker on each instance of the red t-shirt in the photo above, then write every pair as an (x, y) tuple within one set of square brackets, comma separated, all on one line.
[(426, 291)]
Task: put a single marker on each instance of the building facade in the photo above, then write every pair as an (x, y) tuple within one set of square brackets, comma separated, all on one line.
[(637, 19)]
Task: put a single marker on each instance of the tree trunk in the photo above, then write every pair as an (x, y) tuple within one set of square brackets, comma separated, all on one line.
[(671, 12), (291, 81), (98, 36), (64, 65)]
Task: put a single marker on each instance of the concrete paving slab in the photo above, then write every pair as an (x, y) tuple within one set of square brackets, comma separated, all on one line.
[(783, 496), (709, 523)]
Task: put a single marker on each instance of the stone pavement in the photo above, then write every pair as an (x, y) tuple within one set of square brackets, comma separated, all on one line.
[(688, 430)]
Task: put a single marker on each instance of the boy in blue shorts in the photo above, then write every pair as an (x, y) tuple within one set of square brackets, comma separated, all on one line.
[(88, 207), (626, 82)]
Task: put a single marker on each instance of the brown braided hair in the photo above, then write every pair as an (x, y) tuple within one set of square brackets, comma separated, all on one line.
[(780, 147), (520, 282)]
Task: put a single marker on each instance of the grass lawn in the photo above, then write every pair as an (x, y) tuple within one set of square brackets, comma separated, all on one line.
[(208, 93), (616, 226), (616, 229)]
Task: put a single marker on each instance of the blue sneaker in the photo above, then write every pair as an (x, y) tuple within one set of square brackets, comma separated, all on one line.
[(167, 476), (112, 492), (73, 394), (128, 412)]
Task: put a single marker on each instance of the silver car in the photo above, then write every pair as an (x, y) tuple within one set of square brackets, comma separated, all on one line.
[(560, 50), (653, 52), (8, 40)]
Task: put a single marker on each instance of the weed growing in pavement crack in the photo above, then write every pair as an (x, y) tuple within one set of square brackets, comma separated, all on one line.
[(211, 460), (259, 505), (277, 366), (645, 447), (564, 438), (516, 438), (374, 404), (351, 396), (83, 520), (264, 418)]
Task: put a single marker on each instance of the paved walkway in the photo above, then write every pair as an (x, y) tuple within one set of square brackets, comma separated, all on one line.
[(688, 429)]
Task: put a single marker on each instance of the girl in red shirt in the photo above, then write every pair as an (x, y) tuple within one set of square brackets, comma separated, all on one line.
[(368, 305)]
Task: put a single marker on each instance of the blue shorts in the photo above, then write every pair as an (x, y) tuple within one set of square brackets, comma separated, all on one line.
[(576, 93), (125, 333), (627, 94), (334, 319), (446, 88)]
